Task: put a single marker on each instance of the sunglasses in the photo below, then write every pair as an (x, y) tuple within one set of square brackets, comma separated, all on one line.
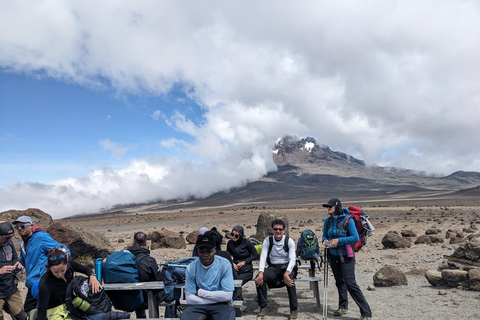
[(235, 235), (60, 257), (22, 226), (278, 229)]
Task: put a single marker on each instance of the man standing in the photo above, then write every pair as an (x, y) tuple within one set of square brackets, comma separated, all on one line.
[(209, 283), (281, 270), (148, 269), (35, 246), (9, 265)]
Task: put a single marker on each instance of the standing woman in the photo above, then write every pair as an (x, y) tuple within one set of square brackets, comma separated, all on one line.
[(53, 284), (243, 252), (334, 239)]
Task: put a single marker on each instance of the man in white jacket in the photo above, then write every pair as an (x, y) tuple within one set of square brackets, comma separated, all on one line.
[(279, 252), (209, 284)]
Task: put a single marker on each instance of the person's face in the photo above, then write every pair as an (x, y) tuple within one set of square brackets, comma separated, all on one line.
[(206, 255), (24, 229), (5, 237), (331, 210), (235, 235), (59, 270), (278, 231)]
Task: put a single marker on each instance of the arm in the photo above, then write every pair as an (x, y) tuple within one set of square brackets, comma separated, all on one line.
[(209, 297), (48, 243), (92, 280), (43, 298), (263, 260)]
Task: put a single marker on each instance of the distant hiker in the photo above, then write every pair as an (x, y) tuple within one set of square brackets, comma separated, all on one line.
[(9, 265), (35, 247), (201, 231), (243, 252), (279, 251), (209, 283), (53, 284), (148, 270), (342, 258)]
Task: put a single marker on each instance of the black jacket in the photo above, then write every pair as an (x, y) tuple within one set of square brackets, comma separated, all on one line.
[(242, 249), (148, 269), (8, 257)]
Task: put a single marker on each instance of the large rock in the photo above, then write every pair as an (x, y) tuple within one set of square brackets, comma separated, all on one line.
[(423, 239), (432, 231), (39, 217), (455, 278), (393, 240), (468, 251), (167, 239), (192, 237), (389, 276), (474, 278), (264, 224), (434, 277), (82, 243)]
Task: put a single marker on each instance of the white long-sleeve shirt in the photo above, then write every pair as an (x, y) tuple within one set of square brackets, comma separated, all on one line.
[(278, 254)]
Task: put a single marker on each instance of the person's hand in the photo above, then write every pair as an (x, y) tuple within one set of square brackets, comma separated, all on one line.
[(18, 266), (7, 269), (95, 284), (240, 264), (236, 267), (288, 281), (333, 243), (259, 279)]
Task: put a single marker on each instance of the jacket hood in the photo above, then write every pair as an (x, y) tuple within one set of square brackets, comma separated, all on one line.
[(240, 230), (136, 250)]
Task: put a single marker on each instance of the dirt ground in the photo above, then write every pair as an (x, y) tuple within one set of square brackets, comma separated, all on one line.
[(417, 300)]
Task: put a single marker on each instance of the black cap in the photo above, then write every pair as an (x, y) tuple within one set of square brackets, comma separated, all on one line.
[(5, 228), (332, 203), (206, 240)]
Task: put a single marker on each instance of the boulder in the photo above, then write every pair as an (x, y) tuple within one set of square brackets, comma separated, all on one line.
[(436, 238), (474, 278), (455, 278), (408, 234), (433, 231), (81, 243), (264, 224), (468, 251), (39, 218), (434, 277), (192, 237), (389, 276), (167, 239), (393, 240), (423, 239)]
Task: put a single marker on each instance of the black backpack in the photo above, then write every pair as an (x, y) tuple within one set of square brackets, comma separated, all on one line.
[(79, 287)]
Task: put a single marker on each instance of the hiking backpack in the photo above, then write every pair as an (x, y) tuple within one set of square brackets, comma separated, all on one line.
[(307, 246), (258, 246), (121, 267), (362, 224), (174, 273), (98, 302)]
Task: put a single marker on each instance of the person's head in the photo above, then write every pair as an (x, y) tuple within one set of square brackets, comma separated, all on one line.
[(24, 226), (6, 232), (278, 228), (57, 260), (217, 238), (140, 239), (206, 248), (237, 233), (334, 207)]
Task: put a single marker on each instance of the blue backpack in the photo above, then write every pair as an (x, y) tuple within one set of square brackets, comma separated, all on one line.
[(308, 248), (121, 267), (173, 273)]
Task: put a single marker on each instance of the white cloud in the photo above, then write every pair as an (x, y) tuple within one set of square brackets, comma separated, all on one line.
[(117, 150), (371, 78)]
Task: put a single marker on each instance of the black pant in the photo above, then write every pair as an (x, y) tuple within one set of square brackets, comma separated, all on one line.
[(30, 302), (271, 276), (344, 273), (245, 274)]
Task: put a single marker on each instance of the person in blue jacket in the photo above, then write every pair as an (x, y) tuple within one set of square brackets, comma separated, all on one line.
[(343, 267), (34, 250)]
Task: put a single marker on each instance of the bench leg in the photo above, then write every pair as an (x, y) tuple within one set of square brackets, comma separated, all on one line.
[(152, 305), (314, 284)]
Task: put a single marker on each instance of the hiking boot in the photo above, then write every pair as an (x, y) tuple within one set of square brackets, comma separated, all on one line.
[(339, 312), (263, 313), (365, 318), (293, 315)]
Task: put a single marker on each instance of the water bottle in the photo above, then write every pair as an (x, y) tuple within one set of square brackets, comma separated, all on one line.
[(349, 249), (98, 268), (81, 304)]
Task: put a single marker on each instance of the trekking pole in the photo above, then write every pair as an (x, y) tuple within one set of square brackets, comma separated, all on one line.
[(325, 286)]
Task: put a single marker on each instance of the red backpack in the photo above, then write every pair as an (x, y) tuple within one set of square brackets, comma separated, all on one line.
[(363, 225)]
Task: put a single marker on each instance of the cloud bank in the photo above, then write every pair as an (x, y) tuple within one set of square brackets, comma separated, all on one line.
[(395, 83)]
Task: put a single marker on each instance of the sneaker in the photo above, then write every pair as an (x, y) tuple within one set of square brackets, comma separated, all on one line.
[(365, 318), (339, 312), (293, 315), (263, 312)]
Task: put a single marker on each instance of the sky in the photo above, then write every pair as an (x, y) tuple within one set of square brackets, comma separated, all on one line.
[(115, 102)]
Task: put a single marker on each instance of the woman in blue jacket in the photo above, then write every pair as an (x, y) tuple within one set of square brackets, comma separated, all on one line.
[(334, 239)]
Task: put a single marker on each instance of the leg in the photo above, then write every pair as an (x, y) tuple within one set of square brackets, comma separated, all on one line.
[(221, 311), (195, 312), (245, 277), (30, 302), (15, 306), (268, 276), (336, 265), (292, 294), (348, 271)]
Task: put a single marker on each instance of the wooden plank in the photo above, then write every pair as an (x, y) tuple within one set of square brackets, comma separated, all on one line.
[(151, 285)]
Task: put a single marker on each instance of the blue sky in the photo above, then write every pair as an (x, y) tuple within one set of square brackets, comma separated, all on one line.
[(114, 102)]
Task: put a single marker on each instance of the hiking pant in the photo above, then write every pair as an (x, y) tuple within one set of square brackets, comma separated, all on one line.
[(344, 273), (30, 302), (13, 305), (272, 276), (245, 274), (216, 311)]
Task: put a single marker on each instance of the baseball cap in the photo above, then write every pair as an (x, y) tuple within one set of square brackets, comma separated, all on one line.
[(5, 228), (206, 240), (202, 230), (332, 203), (23, 219)]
